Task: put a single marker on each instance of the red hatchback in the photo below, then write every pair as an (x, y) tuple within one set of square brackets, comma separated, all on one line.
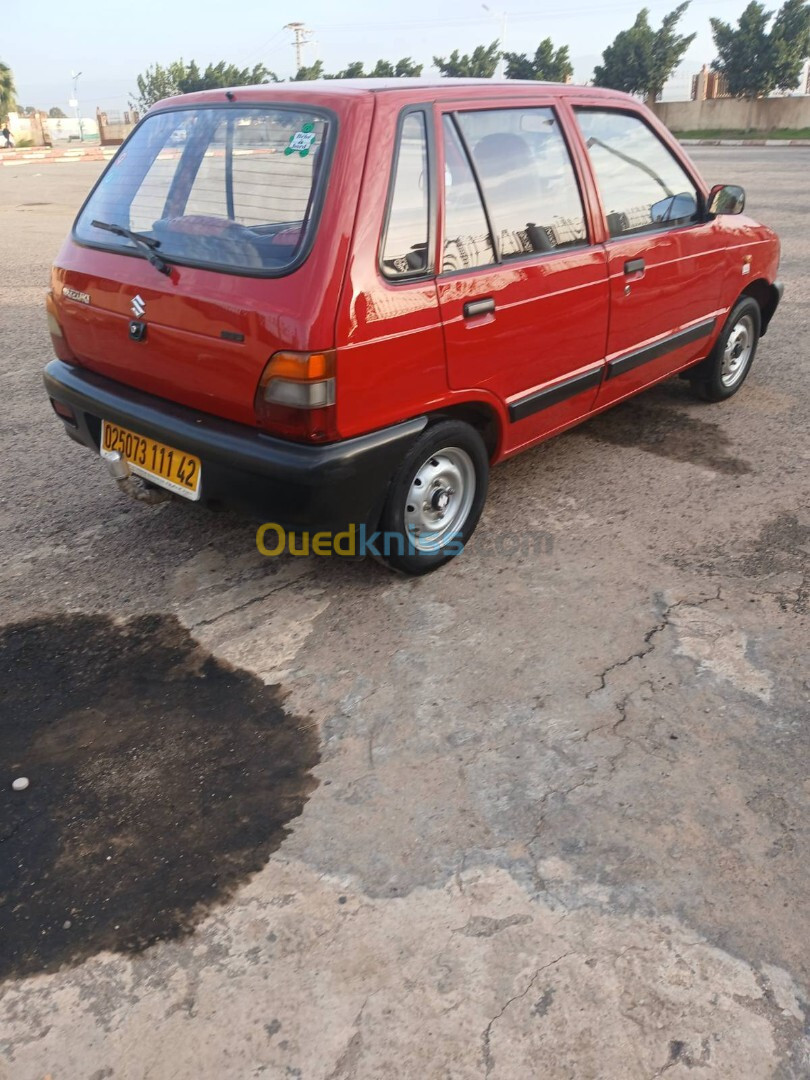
[(340, 303)]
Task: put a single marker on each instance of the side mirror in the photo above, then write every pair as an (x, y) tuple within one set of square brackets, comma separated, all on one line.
[(726, 199)]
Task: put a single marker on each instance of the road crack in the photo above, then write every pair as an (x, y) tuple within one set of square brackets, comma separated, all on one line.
[(489, 1061), (649, 642), (248, 603)]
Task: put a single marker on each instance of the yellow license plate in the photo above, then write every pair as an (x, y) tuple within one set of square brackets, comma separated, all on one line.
[(164, 465)]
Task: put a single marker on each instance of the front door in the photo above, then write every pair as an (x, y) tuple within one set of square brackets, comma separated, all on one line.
[(664, 285), (523, 292)]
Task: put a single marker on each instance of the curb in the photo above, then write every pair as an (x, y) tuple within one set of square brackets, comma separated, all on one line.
[(45, 156), (744, 142)]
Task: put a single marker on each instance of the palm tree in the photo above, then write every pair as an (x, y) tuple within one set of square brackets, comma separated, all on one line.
[(7, 91)]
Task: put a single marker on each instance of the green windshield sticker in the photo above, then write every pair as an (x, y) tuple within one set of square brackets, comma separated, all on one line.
[(301, 142)]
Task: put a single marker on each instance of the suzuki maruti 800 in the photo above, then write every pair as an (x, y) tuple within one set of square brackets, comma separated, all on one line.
[(340, 303)]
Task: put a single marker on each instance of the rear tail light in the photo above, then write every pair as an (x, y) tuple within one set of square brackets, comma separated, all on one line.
[(60, 345), (296, 396)]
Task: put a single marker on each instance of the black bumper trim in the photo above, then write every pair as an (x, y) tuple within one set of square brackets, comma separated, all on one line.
[(660, 348), (297, 485)]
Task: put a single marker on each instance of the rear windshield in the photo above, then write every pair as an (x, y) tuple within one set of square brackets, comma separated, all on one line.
[(235, 188)]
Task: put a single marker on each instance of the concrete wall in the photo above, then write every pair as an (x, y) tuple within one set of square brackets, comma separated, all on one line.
[(66, 129), (31, 129), (114, 128), (735, 114)]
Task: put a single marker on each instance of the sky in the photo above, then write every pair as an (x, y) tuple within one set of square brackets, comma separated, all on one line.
[(111, 43)]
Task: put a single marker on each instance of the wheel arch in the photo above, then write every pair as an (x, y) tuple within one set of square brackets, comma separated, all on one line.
[(767, 296), (480, 415)]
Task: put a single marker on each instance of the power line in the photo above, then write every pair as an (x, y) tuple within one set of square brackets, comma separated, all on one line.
[(520, 16), (261, 52)]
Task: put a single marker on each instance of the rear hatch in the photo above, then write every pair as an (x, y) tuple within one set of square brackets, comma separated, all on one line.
[(225, 201)]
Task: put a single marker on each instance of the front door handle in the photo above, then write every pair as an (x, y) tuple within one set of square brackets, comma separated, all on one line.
[(634, 266), (478, 307)]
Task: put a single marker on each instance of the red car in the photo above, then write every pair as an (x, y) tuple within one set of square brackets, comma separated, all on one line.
[(341, 303)]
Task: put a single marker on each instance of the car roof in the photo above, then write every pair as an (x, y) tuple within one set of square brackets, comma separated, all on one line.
[(435, 88)]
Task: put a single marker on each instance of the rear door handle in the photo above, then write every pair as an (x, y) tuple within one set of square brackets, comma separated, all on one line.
[(478, 307), (634, 266)]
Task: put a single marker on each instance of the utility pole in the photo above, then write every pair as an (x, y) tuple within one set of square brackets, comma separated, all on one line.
[(302, 36), (74, 102)]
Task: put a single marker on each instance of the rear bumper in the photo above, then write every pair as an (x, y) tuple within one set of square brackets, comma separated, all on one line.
[(297, 486)]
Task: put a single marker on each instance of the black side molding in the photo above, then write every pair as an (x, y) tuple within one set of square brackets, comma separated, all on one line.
[(543, 399), (660, 348)]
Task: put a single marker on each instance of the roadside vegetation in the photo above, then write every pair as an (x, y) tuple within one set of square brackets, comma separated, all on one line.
[(763, 53), (749, 133)]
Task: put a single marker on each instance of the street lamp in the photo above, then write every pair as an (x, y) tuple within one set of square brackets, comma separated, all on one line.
[(74, 102), (502, 16)]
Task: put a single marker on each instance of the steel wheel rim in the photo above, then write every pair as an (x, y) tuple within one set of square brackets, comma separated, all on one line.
[(440, 498), (737, 353)]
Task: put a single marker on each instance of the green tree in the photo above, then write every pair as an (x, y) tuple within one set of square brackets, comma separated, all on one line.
[(7, 90), (402, 69), (640, 60), (756, 61), (309, 73), (480, 64), (56, 113), (159, 82), (218, 76), (155, 83), (383, 69), (790, 43), (548, 64), (353, 71)]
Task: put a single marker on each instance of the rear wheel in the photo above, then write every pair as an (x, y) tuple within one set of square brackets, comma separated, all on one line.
[(724, 371), (436, 498)]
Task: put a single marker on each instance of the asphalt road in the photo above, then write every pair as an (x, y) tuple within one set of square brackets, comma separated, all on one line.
[(543, 813)]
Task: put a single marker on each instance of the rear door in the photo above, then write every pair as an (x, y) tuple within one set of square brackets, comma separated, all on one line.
[(230, 196), (523, 291), (663, 259)]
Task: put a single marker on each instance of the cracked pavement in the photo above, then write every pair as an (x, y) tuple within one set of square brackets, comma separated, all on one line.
[(560, 827)]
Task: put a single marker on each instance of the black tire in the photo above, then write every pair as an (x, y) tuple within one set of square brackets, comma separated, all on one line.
[(721, 374), (449, 461)]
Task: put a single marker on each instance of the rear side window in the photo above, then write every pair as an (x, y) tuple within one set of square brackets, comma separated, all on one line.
[(642, 186), (236, 188), (405, 246), (527, 178), (467, 240)]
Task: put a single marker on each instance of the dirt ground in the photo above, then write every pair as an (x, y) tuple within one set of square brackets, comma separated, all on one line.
[(541, 814)]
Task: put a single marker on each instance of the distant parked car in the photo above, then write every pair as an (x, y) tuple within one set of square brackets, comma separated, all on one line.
[(379, 289)]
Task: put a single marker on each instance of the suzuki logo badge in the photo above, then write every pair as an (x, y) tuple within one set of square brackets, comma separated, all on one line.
[(137, 306)]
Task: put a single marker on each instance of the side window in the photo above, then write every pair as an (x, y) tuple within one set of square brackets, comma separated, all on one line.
[(643, 187), (527, 178), (467, 242), (405, 244)]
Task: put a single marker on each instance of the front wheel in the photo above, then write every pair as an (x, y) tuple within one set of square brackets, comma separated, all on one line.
[(436, 498), (724, 371)]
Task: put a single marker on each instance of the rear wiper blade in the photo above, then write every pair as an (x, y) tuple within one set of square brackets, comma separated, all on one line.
[(145, 242)]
